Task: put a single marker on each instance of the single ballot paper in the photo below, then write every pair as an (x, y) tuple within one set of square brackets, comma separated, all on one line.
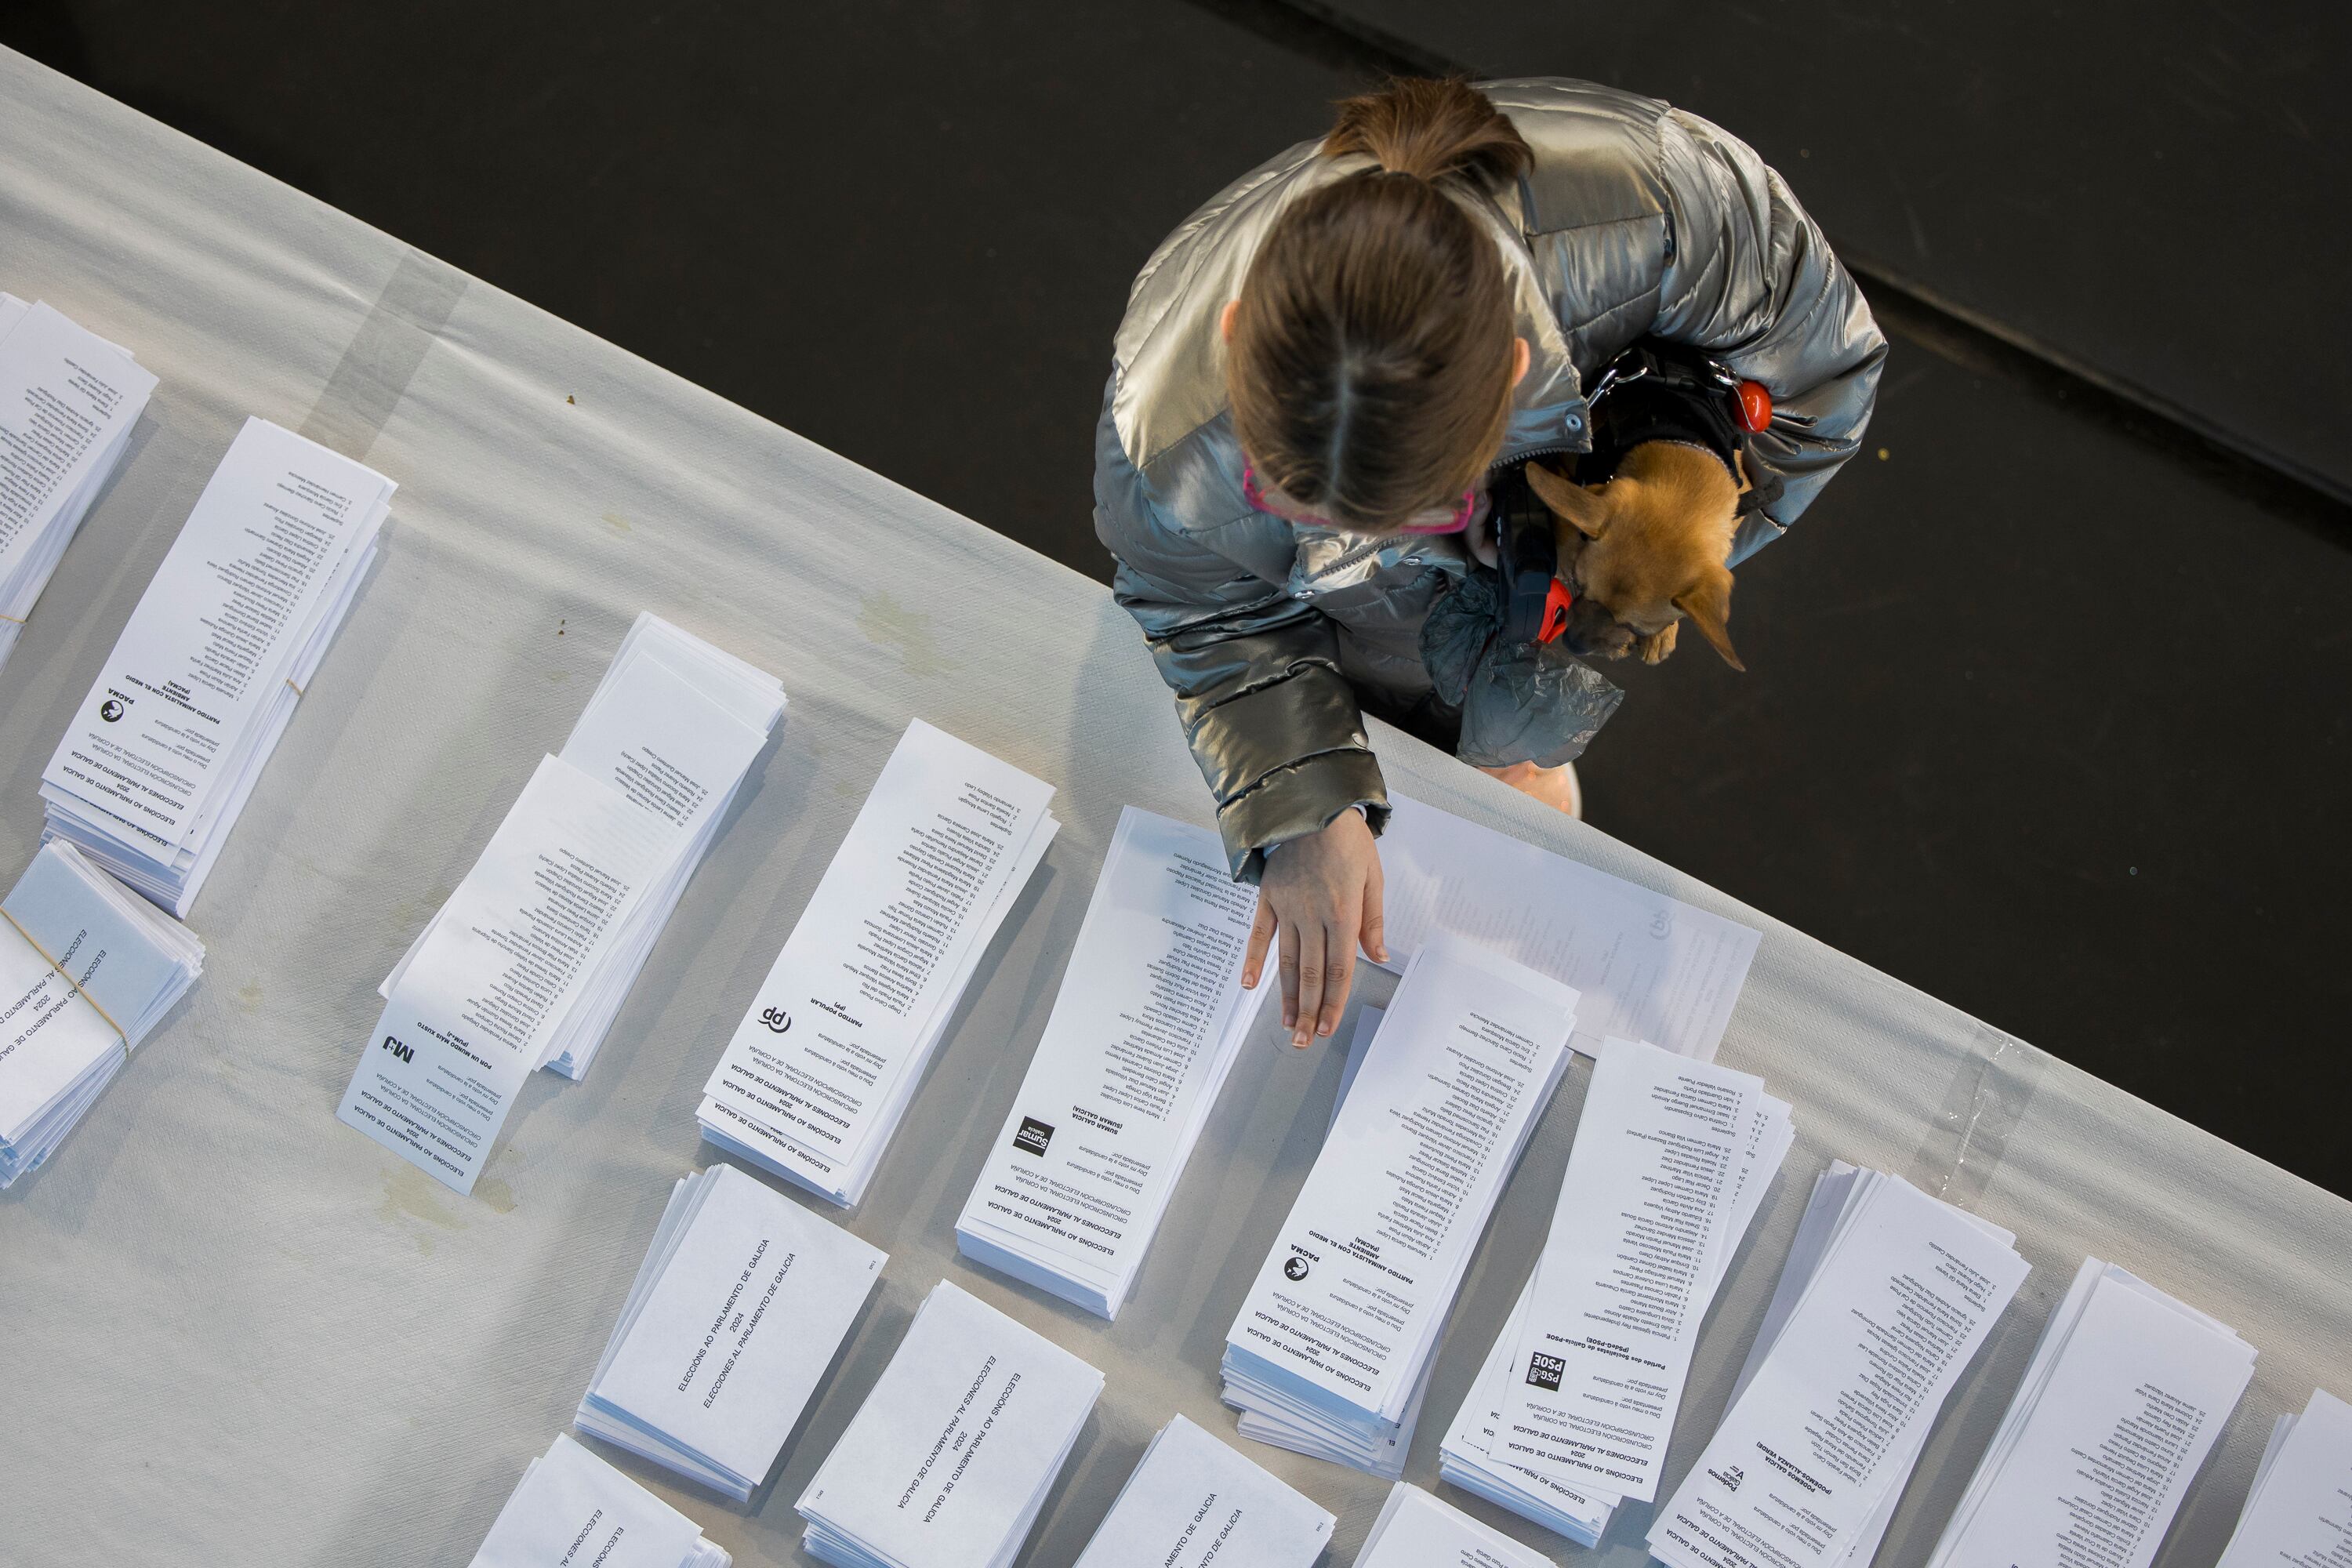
[(1193, 1501), (1648, 967), (572, 1509), (87, 971), (743, 1303), (833, 1046), (949, 1460), (1416, 1531), (2299, 1514), (1146, 1024), (1851, 1377), (1644, 1220), (1471, 1457), (2124, 1397), (159, 759), (67, 401), (1351, 1299)]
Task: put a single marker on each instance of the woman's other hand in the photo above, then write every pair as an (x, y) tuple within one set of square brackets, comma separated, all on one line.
[(1322, 895)]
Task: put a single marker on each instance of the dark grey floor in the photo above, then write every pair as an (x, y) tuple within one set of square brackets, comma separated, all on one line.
[(2047, 712), (2156, 192)]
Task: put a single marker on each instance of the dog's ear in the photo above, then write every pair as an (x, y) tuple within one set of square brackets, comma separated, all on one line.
[(1570, 502), (1707, 602)]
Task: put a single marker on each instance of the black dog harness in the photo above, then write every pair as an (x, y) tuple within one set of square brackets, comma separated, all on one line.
[(1650, 392)]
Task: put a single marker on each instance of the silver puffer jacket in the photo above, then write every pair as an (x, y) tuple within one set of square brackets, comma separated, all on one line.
[(1637, 220)]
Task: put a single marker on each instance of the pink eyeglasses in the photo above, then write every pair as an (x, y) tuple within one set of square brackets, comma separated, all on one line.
[(1255, 493)]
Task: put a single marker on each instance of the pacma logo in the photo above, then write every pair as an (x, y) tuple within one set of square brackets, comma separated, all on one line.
[(1730, 1476)]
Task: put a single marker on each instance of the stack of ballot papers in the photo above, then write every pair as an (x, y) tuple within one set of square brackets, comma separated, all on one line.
[(2125, 1395), (1148, 1019), (1572, 1408), (1331, 1352), (527, 963), (2299, 1514), (572, 1509), (86, 971), (161, 756), (1193, 1501), (949, 1460), (1647, 966), (67, 401), (1416, 1531), (832, 1048), (1885, 1296), (743, 1302)]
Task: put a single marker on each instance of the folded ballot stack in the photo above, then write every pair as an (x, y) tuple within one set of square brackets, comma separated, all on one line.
[(1331, 1349), (832, 1048), (2297, 1516), (529, 961), (86, 971), (1925, 1283), (572, 1508), (743, 1302), (2125, 1395), (1671, 1162), (159, 759), (949, 1460), (672, 729), (67, 401), (1193, 1500), (1416, 1529), (1146, 1024)]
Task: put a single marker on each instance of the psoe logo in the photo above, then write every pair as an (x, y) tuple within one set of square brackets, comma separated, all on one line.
[(1730, 1476), (777, 1020), (112, 709), (1296, 1270), (1545, 1370), (405, 1053)]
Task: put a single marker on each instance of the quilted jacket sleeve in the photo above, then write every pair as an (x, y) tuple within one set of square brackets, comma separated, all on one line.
[(1272, 722), (1751, 278)]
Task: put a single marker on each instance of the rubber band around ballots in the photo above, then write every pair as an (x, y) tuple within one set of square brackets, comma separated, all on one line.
[(383, 355), (1970, 1130), (71, 984)]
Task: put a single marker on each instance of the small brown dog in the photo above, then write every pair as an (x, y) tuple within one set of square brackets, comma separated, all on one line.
[(1649, 546)]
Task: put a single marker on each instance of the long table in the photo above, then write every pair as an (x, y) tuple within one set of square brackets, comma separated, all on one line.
[(233, 1331)]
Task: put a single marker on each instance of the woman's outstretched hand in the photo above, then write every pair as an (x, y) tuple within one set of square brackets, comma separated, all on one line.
[(1322, 893)]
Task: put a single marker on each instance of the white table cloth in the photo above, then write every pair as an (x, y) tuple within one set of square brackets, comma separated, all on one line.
[(232, 1330)]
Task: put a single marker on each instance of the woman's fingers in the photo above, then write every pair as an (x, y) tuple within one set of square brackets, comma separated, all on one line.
[(1289, 949), (1339, 957), (1261, 933), (1312, 964), (1375, 938)]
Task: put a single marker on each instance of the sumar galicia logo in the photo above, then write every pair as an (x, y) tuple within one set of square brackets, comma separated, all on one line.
[(1031, 1136), (111, 710), (777, 1020)]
